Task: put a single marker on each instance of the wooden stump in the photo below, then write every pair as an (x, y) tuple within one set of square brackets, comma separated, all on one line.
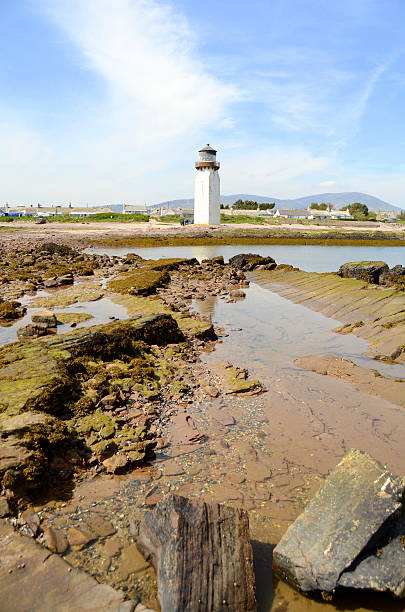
[(202, 555)]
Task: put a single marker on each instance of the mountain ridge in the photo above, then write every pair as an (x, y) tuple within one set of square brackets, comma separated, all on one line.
[(337, 199)]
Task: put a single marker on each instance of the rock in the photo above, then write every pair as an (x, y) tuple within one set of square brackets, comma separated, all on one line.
[(368, 271), (211, 391), (394, 277), (237, 293), (30, 331), (356, 501), (4, 507), (49, 283), (100, 526), (249, 261), (22, 423), (79, 538), (141, 608), (10, 310), (131, 562), (32, 521), (44, 318), (116, 464), (219, 260), (383, 568), (32, 578), (55, 540), (13, 456), (104, 449), (65, 280)]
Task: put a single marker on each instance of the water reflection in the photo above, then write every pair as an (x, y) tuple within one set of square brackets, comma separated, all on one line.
[(307, 257)]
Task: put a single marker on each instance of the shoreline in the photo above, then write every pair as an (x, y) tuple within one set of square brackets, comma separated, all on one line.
[(87, 234)]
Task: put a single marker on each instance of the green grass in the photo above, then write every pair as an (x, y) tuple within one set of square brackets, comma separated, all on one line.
[(114, 217), (169, 219), (243, 219)]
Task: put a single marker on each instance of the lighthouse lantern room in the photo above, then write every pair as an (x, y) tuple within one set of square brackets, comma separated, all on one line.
[(207, 192)]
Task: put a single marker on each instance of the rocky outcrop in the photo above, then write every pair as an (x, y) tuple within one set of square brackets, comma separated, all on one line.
[(376, 272), (372, 312), (368, 271), (43, 324), (54, 394), (10, 311), (33, 578), (346, 533), (395, 277), (250, 261), (146, 278), (367, 381)]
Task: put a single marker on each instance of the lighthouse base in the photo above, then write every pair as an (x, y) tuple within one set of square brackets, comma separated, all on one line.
[(206, 197)]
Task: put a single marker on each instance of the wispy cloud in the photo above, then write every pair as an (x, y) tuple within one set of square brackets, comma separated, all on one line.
[(145, 53), (328, 183)]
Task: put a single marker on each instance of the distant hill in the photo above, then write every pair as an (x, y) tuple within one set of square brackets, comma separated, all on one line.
[(337, 199)]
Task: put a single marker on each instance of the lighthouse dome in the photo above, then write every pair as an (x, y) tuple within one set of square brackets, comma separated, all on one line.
[(207, 153)]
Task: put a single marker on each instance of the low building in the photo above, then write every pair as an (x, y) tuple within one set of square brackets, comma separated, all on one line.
[(312, 214), (269, 212), (50, 211), (290, 213), (135, 209), (387, 215)]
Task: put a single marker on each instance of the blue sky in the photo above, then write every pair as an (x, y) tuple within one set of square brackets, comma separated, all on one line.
[(104, 101)]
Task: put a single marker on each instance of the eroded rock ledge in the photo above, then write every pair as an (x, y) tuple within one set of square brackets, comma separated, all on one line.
[(370, 311)]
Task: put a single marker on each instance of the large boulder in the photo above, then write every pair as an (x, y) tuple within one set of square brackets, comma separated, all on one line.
[(250, 261), (360, 500), (368, 271), (10, 310), (44, 318), (394, 277)]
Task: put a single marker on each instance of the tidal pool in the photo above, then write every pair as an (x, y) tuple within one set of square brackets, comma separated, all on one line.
[(306, 257)]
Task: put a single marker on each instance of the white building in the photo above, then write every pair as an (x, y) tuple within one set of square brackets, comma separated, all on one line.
[(206, 195), (135, 209)]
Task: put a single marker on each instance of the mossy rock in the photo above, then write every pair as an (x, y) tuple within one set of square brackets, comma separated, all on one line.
[(83, 292), (139, 281), (10, 311), (104, 449), (69, 318)]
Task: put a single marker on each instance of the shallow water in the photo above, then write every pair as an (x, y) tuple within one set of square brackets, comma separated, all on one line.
[(306, 257), (299, 429), (275, 330), (102, 311)]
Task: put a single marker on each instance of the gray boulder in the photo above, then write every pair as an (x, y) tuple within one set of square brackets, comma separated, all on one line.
[(394, 277), (368, 271), (249, 261), (382, 567), (357, 501)]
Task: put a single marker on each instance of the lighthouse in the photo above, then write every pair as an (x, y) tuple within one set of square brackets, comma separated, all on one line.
[(206, 195)]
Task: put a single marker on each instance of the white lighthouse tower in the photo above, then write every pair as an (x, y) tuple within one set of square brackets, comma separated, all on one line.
[(206, 195)]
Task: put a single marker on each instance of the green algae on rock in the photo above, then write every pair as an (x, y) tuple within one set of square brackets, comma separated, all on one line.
[(10, 311), (63, 380), (69, 318), (145, 279), (190, 325), (82, 292)]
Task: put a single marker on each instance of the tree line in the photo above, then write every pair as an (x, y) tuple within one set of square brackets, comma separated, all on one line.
[(357, 209), (249, 205)]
